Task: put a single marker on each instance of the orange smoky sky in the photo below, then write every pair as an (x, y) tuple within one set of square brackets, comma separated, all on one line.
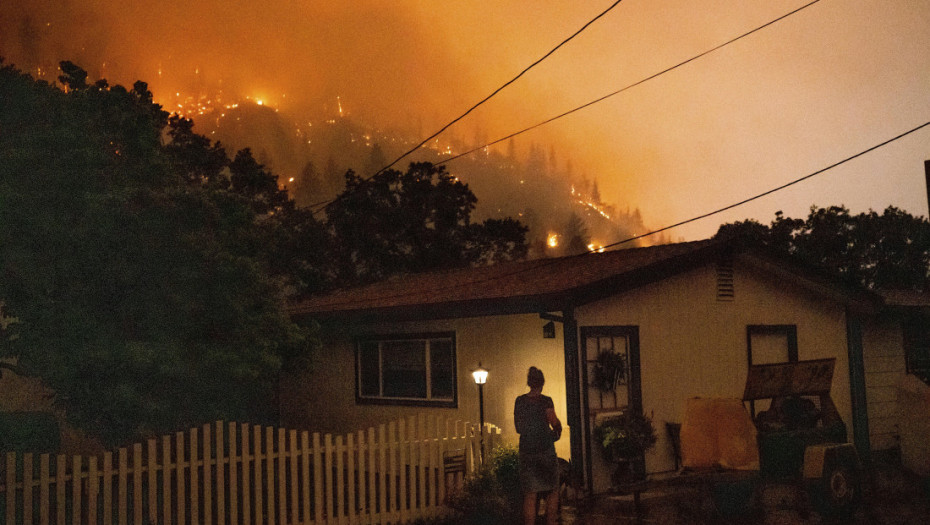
[(828, 82)]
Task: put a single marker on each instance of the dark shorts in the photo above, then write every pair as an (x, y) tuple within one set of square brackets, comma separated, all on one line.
[(539, 472)]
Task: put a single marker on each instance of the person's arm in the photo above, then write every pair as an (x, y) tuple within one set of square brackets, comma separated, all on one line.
[(554, 423), (519, 417)]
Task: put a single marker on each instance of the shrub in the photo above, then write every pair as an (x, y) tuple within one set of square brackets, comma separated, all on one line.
[(491, 496)]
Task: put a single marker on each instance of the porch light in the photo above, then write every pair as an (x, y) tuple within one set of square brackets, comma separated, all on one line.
[(480, 375)]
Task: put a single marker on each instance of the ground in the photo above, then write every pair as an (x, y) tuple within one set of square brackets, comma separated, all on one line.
[(890, 496)]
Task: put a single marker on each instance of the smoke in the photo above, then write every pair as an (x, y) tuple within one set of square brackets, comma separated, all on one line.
[(380, 58)]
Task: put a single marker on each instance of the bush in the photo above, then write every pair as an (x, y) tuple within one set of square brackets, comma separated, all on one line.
[(492, 495)]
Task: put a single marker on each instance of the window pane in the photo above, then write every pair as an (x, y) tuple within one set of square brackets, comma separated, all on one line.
[(442, 366), (368, 368), (404, 365)]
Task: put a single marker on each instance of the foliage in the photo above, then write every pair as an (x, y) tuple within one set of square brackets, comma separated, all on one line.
[(609, 370), (146, 277), (890, 250), (149, 272), (415, 221), (626, 436), (492, 495)]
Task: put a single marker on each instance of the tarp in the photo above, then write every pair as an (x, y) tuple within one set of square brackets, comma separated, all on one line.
[(718, 433)]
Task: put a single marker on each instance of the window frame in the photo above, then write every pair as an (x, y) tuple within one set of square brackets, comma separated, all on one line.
[(381, 399), (916, 339)]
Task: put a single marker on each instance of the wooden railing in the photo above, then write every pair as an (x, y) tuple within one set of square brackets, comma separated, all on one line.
[(231, 473)]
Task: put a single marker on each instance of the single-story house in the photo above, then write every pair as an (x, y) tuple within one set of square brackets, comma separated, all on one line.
[(687, 319)]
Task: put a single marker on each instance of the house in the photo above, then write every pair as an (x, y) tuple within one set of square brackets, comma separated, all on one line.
[(686, 318)]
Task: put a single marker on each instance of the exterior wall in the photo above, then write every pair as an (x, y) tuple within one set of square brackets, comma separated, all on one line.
[(692, 345), (323, 399), (885, 366)]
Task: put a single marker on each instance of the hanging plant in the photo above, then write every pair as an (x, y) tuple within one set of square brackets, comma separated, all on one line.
[(625, 437), (609, 371)]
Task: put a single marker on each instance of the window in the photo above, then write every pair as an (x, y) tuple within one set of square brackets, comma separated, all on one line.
[(771, 343), (410, 369), (917, 347)]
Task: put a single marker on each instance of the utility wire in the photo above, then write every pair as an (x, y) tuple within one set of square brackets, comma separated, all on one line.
[(621, 90), (665, 228), (485, 99)]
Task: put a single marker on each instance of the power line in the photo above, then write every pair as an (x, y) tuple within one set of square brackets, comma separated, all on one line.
[(621, 90), (485, 99), (773, 190), (677, 224)]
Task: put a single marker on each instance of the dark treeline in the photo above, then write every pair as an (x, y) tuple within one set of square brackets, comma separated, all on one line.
[(148, 269)]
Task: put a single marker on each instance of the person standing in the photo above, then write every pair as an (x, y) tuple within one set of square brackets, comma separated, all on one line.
[(539, 428)]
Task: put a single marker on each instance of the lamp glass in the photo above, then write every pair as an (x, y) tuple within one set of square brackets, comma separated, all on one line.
[(480, 375)]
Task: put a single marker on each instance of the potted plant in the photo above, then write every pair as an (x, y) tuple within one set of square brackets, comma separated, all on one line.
[(623, 440)]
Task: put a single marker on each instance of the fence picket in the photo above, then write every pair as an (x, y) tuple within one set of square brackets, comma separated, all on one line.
[(92, 492), (220, 477), (194, 477), (246, 459), (389, 473), (75, 490), (207, 475), (305, 474), (166, 493), (10, 483), (392, 471), (339, 450), (152, 462), (402, 482), (351, 508), (282, 479), (317, 480), (27, 488)]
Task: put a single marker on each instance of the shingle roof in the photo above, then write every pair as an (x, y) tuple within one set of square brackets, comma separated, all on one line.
[(526, 286)]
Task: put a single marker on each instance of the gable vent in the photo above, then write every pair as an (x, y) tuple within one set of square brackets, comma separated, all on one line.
[(725, 291)]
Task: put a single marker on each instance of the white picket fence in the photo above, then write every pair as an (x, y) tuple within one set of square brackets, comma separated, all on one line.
[(231, 473)]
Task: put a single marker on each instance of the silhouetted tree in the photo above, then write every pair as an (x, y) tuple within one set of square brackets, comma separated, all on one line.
[(146, 297), (890, 250), (411, 222), (576, 235)]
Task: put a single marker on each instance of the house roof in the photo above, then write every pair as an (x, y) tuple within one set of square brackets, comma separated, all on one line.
[(533, 286), (546, 285)]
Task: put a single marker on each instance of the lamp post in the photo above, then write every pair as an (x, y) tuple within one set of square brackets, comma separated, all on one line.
[(481, 377)]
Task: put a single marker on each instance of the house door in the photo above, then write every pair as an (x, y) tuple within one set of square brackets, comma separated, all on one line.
[(610, 385)]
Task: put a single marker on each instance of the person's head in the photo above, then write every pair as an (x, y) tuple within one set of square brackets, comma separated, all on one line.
[(534, 378)]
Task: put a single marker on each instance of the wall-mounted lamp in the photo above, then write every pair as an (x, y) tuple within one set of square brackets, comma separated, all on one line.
[(549, 330)]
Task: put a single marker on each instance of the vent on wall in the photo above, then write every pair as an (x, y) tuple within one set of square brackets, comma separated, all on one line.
[(725, 290)]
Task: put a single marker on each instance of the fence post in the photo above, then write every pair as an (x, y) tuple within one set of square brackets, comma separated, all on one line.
[(257, 457)]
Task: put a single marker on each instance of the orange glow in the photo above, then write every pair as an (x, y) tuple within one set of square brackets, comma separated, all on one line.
[(727, 126), (552, 241)]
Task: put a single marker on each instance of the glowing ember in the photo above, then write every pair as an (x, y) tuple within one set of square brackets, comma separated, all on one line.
[(553, 240)]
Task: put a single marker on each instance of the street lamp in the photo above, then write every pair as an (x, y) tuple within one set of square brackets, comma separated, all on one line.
[(481, 377)]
